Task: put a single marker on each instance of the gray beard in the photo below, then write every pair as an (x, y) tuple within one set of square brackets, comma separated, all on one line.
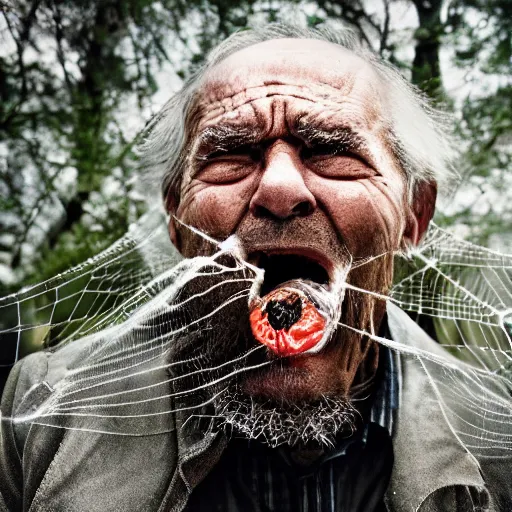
[(316, 423)]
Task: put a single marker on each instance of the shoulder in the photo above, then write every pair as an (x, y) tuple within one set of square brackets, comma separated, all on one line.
[(23, 384), (452, 431), (24, 379), (32, 378), (29, 384)]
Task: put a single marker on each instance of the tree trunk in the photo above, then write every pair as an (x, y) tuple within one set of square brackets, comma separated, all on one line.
[(426, 72)]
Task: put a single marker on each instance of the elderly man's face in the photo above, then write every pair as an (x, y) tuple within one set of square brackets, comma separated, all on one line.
[(290, 153)]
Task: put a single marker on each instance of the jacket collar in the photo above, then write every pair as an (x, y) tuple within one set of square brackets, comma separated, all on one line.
[(428, 453)]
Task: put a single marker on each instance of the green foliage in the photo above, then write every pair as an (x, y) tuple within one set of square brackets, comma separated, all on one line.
[(480, 33)]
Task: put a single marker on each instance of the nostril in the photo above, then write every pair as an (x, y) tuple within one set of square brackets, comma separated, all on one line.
[(260, 211), (302, 209)]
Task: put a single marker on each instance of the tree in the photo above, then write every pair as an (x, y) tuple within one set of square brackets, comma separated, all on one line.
[(479, 32), (78, 81)]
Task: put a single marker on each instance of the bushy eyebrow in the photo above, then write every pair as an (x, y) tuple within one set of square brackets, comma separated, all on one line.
[(224, 138), (343, 137)]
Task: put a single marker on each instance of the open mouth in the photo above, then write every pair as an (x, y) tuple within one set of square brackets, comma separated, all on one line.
[(294, 311), (282, 268)]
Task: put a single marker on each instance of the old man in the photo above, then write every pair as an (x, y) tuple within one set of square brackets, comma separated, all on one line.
[(314, 161)]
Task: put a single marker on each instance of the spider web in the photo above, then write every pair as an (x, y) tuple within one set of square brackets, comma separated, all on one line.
[(133, 331), (467, 291), (98, 293)]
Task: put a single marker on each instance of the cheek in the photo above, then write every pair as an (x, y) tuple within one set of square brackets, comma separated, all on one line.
[(215, 209), (368, 215)]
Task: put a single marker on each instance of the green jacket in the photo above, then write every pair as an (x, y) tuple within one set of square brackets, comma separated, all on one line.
[(45, 468)]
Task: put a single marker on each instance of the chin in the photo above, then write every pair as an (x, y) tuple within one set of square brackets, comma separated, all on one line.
[(294, 416), (283, 384)]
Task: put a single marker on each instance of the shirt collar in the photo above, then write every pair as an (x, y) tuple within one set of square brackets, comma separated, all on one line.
[(386, 399)]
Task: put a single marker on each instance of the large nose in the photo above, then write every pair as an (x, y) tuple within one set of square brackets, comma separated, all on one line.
[(282, 191)]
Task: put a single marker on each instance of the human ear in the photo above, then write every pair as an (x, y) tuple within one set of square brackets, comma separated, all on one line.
[(421, 212)]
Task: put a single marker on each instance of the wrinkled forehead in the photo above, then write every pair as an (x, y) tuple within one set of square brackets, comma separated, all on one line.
[(322, 68)]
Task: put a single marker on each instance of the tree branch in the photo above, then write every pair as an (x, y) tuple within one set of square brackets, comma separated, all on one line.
[(385, 29), (60, 50), (20, 40)]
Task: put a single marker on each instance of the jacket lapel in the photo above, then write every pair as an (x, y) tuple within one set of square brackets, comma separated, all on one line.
[(428, 453)]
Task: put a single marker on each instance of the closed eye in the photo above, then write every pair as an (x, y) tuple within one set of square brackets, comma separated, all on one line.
[(228, 165), (335, 161), (318, 152), (252, 152), (326, 150)]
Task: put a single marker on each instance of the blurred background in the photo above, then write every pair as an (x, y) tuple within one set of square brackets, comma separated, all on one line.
[(79, 79)]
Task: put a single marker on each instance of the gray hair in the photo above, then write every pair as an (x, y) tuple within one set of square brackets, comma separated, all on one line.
[(419, 134)]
